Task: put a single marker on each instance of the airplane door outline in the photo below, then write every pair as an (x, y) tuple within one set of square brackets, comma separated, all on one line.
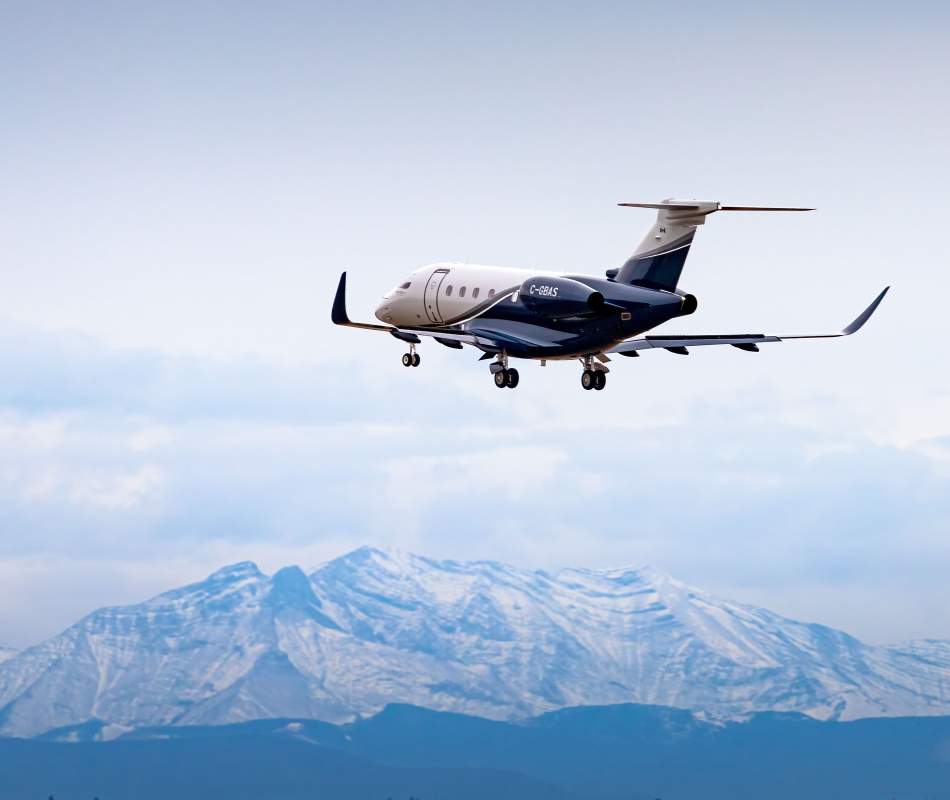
[(431, 299)]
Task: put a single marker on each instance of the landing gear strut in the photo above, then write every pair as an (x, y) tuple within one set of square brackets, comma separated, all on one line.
[(505, 377), (412, 358)]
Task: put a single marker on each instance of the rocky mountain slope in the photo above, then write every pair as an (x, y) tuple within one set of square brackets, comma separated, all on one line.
[(376, 627)]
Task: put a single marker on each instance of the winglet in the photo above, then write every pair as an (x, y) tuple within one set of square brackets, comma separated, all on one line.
[(338, 314), (865, 315)]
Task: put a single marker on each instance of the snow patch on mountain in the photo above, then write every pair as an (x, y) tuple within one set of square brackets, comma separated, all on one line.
[(382, 626)]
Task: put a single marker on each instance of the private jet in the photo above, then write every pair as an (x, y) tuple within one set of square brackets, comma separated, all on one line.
[(508, 313)]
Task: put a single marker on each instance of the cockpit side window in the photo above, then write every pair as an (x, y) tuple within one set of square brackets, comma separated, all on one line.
[(406, 285)]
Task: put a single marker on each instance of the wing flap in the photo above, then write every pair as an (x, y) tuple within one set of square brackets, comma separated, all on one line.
[(679, 342)]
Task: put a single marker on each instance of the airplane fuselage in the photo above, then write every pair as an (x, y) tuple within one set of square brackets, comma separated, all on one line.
[(526, 307)]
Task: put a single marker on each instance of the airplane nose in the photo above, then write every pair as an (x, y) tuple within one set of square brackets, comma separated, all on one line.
[(383, 311)]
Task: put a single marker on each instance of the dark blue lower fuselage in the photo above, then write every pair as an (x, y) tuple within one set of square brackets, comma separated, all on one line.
[(628, 311)]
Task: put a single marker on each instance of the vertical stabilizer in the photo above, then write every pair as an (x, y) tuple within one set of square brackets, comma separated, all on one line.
[(658, 261)]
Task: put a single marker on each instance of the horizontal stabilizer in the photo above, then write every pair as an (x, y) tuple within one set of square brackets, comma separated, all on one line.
[(708, 207), (763, 208), (671, 204)]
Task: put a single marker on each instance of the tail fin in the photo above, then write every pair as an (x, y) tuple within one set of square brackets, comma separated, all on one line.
[(658, 261)]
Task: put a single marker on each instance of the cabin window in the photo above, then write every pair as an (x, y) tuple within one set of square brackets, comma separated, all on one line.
[(448, 290), (462, 292), (406, 285), (475, 292), (491, 292)]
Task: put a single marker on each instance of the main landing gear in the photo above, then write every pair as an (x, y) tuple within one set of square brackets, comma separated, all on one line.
[(505, 377), (412, 358), (593, 377)]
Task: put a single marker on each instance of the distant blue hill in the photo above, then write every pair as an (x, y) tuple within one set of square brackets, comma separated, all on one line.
[(624, 752)]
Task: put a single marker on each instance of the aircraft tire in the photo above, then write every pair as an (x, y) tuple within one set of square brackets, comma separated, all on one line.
[(588, 379), (406, 360), (513, 378), (416, 359), (501, 378), (600, 380)]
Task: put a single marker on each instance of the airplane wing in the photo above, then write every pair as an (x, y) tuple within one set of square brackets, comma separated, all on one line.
[(746, 341), (450, 337)]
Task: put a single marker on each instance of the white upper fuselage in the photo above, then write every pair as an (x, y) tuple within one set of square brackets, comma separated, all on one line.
[(449, 293)]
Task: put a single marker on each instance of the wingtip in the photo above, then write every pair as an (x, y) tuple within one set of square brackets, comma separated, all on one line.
[(338, 312), (865, 315)]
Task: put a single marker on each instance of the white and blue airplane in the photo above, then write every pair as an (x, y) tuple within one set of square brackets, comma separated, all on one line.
[(509, 313)]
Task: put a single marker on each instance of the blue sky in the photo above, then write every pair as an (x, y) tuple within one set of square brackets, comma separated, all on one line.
[(181, 185)]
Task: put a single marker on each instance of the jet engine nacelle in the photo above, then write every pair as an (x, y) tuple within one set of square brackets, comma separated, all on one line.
[(560, 297)]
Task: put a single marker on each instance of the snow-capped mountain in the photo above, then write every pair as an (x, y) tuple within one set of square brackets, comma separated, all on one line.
[(375, 627), (6, 652)]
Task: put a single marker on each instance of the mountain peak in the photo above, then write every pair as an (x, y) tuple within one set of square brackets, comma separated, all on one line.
[(362, 555), (291, 582), (238, 571), (381, 559)]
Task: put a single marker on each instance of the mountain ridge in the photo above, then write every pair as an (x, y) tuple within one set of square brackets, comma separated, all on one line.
[(482, 638)]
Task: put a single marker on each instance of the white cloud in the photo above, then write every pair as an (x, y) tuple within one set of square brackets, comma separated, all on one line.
[(117, 492), (151, 437)]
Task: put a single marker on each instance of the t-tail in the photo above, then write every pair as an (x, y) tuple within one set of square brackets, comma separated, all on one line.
[(658, 261)]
